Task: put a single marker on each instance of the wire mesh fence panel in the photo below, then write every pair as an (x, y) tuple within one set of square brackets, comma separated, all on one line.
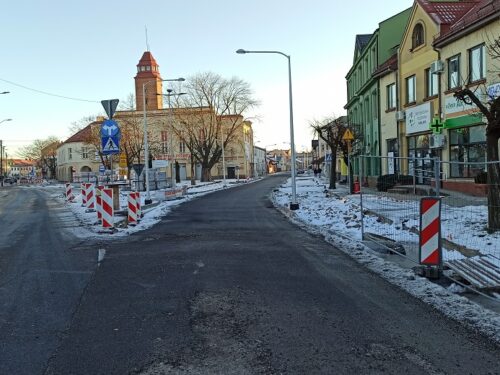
[(467, 230), (470, 221)]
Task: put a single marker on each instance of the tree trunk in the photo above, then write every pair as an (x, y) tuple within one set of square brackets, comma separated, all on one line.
[(493, 181), (206, 176), (193, 179), (333, 172)]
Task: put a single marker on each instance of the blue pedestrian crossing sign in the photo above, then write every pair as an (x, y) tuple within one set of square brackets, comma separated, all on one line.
[(109, 128), (110, 145)]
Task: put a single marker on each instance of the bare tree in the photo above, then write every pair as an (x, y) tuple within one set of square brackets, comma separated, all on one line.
[(78, 125), (43, 152), (212, 116), (490, 109), (332, 131)]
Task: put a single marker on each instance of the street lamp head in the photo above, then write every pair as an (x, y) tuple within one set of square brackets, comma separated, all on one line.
[(180, 79), (241, 51), (5, 92)]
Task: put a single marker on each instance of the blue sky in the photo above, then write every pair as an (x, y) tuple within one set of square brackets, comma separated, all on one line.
[(89, 50)]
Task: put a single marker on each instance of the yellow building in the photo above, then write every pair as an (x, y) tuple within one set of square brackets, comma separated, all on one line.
[(165, 125), (464, 61), (419, 87)]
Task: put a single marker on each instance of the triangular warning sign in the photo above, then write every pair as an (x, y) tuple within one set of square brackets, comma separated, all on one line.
[(110, 146), (348, 135)]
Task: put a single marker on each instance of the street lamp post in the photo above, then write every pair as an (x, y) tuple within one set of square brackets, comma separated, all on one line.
[(146, 146), (171, 111), (294, 204)]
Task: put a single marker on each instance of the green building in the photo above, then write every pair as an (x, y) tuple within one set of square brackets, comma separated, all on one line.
[(363, 89)]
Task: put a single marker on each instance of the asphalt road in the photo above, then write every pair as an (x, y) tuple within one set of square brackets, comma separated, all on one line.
[(42, 278), (226, 285)]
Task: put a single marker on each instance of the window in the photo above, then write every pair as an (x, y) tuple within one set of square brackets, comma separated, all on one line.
[(182, 147), (164, 144), (391, 96), (85, 153), (477, 64), (431, 83), (410, 90), (468, 147), (453, 72), (417, 38), (70, 153), (148, 68)]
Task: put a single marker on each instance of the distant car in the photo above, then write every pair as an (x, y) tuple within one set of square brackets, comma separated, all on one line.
[(9, 180), (301, 171)]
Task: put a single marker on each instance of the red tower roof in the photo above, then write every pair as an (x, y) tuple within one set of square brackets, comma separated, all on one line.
[(147, 66)]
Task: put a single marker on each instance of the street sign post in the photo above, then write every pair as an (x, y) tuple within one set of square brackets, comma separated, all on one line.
[(110, 145), (110, 106)]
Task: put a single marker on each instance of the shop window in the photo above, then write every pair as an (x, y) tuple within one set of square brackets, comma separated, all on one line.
[(467, 151), (477, 63), (410, 90), (453, 72), (417, 38)]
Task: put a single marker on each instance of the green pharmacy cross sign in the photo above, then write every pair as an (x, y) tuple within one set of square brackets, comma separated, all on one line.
[(436, 125)]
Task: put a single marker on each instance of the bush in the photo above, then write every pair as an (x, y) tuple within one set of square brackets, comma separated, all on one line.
[(481, 178), (386, 181)]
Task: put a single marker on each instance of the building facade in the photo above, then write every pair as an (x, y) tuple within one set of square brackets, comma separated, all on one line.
[(364, 90), (465, 60)]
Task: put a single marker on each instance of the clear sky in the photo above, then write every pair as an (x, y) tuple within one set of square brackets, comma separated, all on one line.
[(89, 50)]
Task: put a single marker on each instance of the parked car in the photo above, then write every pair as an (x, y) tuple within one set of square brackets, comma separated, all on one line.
[(9, 180)]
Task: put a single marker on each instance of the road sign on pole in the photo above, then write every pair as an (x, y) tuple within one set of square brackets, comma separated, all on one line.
[(348, 136), (109, 128), (110, 145), (110, 106)]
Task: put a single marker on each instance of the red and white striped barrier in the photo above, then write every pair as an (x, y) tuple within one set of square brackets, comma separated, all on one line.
[(84, 194), (69, 192), (430, 231), (89, 193), (138, 202), (98, 204), (107, 208), (132, 208)]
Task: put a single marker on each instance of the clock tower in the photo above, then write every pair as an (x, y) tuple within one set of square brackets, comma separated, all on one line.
[(148, 74)]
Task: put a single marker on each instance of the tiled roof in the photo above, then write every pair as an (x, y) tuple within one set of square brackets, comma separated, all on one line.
[(82, 135), (362, 40), (390, 65), (445, 13), (21, 163), (484, 10)]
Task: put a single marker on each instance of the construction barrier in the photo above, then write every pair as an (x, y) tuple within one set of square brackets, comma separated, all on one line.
[(99, 202), (107, 208), (138, 202), (69, 192), (132, 208), (89, 193), (430, 231), (84, 195)]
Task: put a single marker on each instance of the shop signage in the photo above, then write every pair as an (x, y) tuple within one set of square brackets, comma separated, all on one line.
[(494, 91), (418, 118), (453, 105)]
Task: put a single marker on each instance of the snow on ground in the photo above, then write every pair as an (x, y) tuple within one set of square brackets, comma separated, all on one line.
[(338, 220)]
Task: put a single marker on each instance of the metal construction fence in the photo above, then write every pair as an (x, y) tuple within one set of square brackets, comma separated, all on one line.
[(390, 205)]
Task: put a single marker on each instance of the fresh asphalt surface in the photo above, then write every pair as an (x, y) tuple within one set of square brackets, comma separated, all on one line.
[(226, 285), (42, 277)]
